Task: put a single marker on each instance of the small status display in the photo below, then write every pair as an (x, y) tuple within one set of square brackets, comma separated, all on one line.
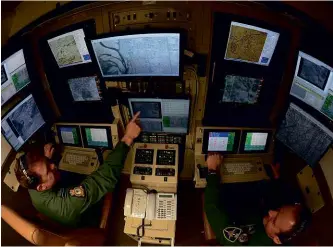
[(255, 141), (221, 141)]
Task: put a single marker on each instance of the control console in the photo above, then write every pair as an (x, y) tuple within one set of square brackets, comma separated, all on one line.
[(144, 156), (161, 138), (155, 166)]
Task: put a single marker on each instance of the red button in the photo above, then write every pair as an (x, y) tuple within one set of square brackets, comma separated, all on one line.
[(145, 146), (166, 146)]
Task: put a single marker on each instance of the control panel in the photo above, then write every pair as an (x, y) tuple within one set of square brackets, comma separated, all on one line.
[(142, 170), (161, 138), (166, 157), (144, 156), (155, 166), (149, 16), (165, 172)]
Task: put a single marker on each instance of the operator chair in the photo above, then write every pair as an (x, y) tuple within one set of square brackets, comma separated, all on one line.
[(59, 236)]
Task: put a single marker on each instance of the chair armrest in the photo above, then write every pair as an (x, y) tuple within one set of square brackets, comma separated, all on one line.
[(106, 209)]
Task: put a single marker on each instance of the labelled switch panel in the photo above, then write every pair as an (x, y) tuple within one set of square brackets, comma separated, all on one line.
[(149, 16), (142, 170), (165, 172)]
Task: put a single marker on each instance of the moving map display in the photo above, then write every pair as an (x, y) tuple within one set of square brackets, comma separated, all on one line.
[(156, 54), (303, 134), (14, 75), (70, 49), (22, 122), (238, 89), (84, 88), (250, 44)]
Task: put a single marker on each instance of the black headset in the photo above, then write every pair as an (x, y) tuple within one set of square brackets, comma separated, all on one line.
[(31, 179)]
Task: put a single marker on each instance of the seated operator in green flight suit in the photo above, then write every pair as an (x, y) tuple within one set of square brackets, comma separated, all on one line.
[(276, 227), (68, 205)]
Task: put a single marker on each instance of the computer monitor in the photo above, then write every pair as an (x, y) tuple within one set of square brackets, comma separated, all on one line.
[(70, 48), (250, 44), (255, 141), (223, 141), (240, 89), (14, 75), (69, 135), (96, 137), (18, 125), (85, 88), (313, 84), (146, 55), (162, 115), (304, 135)]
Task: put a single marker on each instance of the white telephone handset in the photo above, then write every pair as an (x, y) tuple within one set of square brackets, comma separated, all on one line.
[(151, 205), (161, 206), (135, 203)]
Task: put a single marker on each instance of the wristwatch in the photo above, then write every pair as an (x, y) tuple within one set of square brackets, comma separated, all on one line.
[(211, 172)]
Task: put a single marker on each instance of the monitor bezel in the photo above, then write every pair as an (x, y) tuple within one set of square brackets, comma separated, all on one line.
[(10, 111), (77, 127), (84, 136), (184, 97), (243, 140), (182, 40), (206, 137)]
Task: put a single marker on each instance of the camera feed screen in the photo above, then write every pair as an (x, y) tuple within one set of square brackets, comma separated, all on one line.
[(313, 73), (156, 54), (238, 89), (22, 122), (84, 88)]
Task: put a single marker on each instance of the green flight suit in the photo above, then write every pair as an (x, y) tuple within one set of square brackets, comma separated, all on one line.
[(227, 233), (68, 206)]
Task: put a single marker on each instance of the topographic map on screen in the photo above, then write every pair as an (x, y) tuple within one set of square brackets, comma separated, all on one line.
[(65, 50), (304, 135)]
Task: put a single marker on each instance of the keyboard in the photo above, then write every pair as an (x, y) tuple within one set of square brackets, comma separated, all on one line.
[(239, 168), (77, 159)]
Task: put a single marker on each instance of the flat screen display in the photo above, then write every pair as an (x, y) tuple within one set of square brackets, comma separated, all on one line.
[(304, 135), (221, 141), (162, 115), (239, 89), (154, 54), (14, 75), (255, 141), (22, 122), (85, 88), (250, 44), (70, 49)]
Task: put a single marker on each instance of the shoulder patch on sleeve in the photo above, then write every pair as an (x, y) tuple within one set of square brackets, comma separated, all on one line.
[(77, 192), (232, 233)]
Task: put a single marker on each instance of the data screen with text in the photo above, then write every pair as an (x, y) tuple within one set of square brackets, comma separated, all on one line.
[(255, 141), (70, 135), (221, 141)]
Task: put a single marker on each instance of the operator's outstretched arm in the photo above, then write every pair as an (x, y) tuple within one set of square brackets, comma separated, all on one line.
[(106, 177), (216, 214)]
